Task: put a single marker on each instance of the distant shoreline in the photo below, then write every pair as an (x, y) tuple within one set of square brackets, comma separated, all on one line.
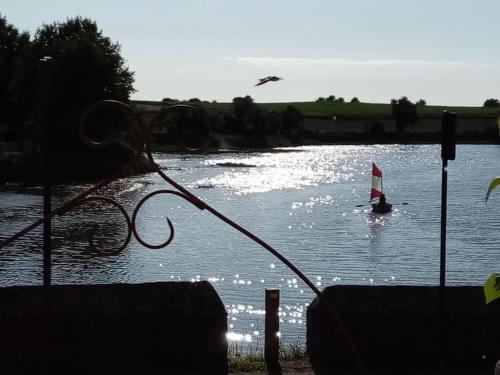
[(328, 110), (342, 123)]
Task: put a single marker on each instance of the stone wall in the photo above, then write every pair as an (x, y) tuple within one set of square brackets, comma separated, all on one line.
[(402, 328), (155, 328)]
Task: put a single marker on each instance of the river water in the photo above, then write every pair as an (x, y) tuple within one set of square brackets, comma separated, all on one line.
[(300, 200)]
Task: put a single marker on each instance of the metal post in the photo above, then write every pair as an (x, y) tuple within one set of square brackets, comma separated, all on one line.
[(47, 224), (43, 102), (271, 346), (442, 264), (448, 145)]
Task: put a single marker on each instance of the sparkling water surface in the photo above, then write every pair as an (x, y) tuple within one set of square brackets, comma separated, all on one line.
[(300, 200)]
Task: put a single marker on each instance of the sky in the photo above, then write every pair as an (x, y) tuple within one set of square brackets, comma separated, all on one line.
[(443, 51)]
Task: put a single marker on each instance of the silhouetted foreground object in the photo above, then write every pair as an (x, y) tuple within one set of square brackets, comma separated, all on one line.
[(397, 329), (448, 135), (156, 328)]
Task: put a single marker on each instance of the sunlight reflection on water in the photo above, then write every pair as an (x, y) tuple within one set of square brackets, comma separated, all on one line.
[(288, 170), (302, 201)]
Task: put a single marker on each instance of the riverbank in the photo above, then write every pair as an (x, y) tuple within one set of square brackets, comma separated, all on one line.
[(77, 168), (233, 143)]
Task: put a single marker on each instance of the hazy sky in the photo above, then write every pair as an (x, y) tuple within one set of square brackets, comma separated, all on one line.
[(444, 51)]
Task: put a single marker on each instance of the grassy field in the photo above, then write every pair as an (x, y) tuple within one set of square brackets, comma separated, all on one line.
[(355, 110), (364, 110)]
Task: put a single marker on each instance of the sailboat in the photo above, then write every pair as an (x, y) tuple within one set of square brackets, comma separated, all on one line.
[(377, 196)]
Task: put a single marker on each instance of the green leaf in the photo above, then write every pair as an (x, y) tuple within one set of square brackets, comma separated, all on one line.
[(492, 287), (493, 185)]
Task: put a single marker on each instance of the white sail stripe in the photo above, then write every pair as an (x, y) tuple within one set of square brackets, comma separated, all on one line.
[(377, 183)]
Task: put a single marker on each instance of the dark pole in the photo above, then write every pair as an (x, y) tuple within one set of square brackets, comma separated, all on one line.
[(43, 118), (444, 199), (47, 224), (448, 142)]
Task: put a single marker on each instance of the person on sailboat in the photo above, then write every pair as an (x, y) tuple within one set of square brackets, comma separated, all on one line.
[(382, 200), (382, 206)]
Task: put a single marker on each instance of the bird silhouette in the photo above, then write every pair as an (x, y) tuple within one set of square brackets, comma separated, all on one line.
[(267, 79)]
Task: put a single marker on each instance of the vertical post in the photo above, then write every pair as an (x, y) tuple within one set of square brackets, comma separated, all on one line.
[(271, 346), (448, 142), (47, 224), (442, 263), (44, 126)]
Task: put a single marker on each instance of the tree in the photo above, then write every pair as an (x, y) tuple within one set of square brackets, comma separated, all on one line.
[(170, 100), (354, 100), (331, 98), (421, 102), (12, 43), (320, 100), (86, 67), (241, 107), (491, 103), (274, 121), (404, 113), (291, 119), (15, 87), (87, 63), (339, 100), (256, 120)]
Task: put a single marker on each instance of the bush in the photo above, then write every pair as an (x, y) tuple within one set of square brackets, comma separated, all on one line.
[(491, 103)]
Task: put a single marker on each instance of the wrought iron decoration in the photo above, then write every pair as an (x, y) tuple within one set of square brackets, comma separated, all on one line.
[(144, 149)]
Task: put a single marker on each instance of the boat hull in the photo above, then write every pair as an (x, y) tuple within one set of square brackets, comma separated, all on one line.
[(382, 208)]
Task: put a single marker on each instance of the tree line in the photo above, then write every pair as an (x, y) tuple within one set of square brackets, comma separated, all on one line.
[(86, 67), (247, 120), (52, 76)]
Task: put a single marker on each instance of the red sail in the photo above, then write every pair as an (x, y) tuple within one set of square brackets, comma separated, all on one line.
[(376, 171), (376, 190)]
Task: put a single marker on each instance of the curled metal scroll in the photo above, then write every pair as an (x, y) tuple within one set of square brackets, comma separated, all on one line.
[(114, 203), (181, 192), (93, 110), (198, 130), (170, 225)]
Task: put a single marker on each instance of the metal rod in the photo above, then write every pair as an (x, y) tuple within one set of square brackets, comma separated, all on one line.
[(47, 224), (58, 211), (442, 263), (204, 206), (331, 310), (44, 123)]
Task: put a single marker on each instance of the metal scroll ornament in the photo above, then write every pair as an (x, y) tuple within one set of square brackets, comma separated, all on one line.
[(199, 135)]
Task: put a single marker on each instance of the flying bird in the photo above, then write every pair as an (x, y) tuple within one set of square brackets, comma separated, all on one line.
[(267, 79)]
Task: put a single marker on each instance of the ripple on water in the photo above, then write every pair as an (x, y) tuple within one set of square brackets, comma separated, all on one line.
[(325, 236)]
